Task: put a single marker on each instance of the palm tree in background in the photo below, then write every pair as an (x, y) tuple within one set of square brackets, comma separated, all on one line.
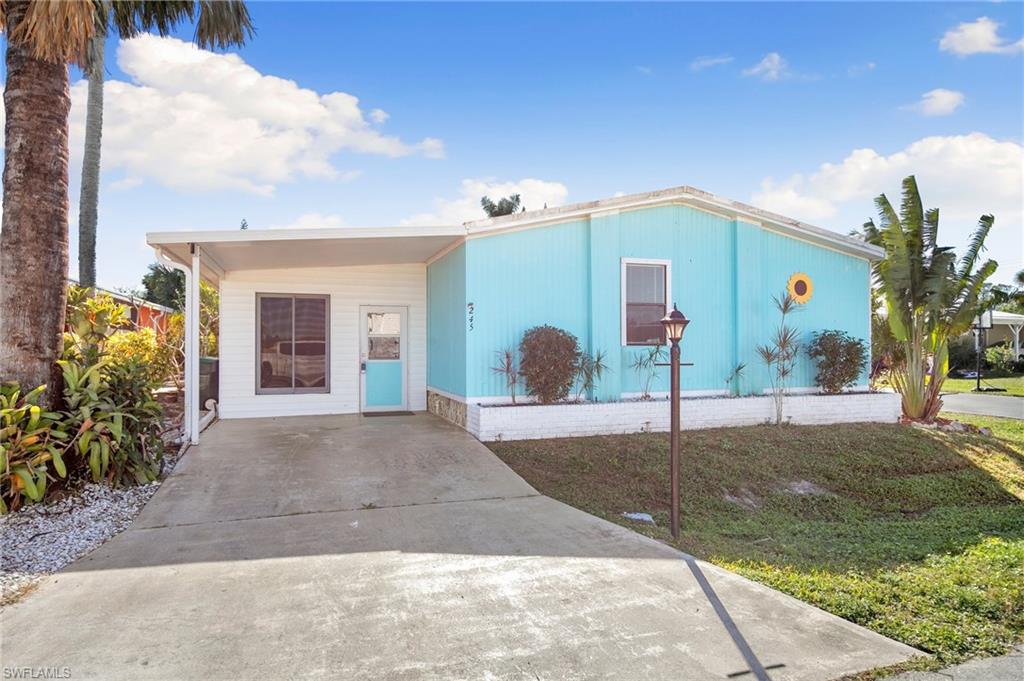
[(929, 296), (505, 206), (221, 24), (42, 38)]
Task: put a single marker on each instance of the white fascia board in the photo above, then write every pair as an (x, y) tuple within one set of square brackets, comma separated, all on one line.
[(238, 235)]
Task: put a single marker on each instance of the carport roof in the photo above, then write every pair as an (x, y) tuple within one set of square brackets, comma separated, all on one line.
[(255, 249)]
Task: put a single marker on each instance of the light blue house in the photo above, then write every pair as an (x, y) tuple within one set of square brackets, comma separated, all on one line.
[(342, 320), (604, 271)]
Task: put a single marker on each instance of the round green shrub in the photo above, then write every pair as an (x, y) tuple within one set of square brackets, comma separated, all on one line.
[(549, 362), (840, 359)]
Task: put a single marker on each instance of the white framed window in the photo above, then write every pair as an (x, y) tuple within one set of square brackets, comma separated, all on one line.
[(646, 290), (292, 343)]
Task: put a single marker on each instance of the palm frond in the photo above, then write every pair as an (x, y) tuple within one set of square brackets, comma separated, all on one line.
[(57, 32), (975, 247), (223, 23), (911, 211), (930, 229)]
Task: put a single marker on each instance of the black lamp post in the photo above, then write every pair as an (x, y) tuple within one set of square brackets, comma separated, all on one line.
[(675, 323)]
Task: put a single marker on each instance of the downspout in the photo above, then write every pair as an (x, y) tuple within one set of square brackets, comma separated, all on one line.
[(189, 428)]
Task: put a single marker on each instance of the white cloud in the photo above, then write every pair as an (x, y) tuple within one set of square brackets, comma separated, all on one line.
[(964, 176), (535, 194), (980, 36), (771, 68), (938, 102), (379, 116), (645, 70), (701, 63), (195, 120), (860, 69), (313, 221)]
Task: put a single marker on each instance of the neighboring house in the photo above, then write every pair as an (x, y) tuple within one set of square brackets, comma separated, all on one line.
[(1007, 329), (345, 320), (142, 313)]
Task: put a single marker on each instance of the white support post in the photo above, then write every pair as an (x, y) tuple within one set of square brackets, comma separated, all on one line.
[(189, 427), (192, 358), (1016, 329)]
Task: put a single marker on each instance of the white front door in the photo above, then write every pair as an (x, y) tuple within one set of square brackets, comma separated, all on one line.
[(383, 354)]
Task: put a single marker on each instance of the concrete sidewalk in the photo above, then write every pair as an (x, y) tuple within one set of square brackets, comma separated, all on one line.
[(401, 548), (1005, 668)]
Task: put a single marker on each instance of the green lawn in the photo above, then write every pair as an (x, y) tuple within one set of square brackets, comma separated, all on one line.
[(1013, 385), (916, 534)]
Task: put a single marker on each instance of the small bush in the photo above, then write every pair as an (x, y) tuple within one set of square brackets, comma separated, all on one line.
[(31, 447), (114, 418), (645, 364), (589, 372), (840, 359), (1000, 359), (143, 347), (549, 362)]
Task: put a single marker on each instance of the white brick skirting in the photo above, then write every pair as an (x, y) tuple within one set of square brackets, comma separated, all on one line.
[(533, 422)]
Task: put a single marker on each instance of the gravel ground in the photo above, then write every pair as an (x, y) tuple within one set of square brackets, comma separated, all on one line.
[(40, 539)]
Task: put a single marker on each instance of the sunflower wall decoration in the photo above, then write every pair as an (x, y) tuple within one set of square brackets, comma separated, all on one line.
[(800, 288)]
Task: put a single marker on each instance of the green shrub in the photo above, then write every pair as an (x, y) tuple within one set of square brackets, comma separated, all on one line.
[(840, 359), (1000, 359), (31, 447), (91, 318), (143, 347), (115, 420), (109, 378), (549, 362)]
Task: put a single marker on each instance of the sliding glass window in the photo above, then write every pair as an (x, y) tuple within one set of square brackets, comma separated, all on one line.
[(293, 353)]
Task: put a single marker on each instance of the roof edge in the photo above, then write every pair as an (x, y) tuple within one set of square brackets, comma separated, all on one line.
[(686, 195), (287, 234)]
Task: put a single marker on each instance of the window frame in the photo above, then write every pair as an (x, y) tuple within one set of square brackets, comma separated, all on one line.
[(624, 264), (326, 389)]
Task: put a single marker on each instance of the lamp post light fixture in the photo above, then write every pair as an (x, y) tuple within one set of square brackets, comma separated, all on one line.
[(674, 323)]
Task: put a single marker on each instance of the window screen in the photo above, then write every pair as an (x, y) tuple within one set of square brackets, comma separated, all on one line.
[(645, 304), (292, 343)]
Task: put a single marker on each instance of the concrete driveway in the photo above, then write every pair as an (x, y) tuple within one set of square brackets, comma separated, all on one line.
[(400, 548)]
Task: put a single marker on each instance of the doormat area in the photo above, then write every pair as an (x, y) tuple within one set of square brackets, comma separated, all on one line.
[(388, 413)]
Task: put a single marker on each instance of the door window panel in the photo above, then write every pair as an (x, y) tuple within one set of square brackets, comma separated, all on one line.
[(383, 335)]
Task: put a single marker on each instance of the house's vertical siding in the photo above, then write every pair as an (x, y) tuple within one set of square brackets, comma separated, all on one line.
[(348, 287), (447, 323), (605, 285), (699, 245), (518, 280), (724, 273), (840, 299)]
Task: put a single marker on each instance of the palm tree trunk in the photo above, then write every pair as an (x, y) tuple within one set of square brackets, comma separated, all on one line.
[(34, 240), (88, 204)]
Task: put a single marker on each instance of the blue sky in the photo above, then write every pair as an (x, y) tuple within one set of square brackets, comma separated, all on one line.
[(766, 103)]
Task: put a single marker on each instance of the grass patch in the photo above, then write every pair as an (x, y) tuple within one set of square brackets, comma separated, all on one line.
[(914, 533), (1013, 385)]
